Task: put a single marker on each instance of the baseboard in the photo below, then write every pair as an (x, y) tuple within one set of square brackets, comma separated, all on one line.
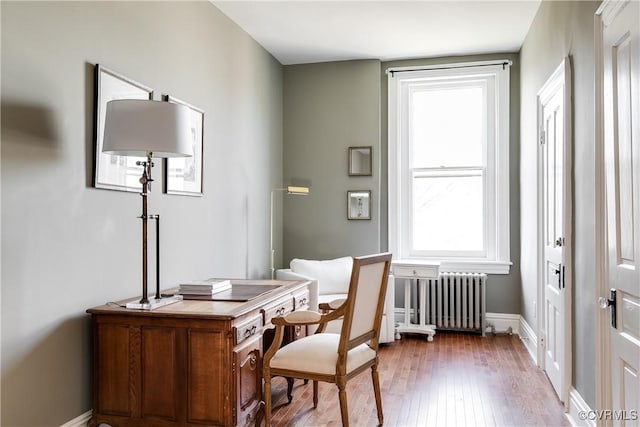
[(503, 322), (79, 421), (579, 414), (529, 339), (498, 322)]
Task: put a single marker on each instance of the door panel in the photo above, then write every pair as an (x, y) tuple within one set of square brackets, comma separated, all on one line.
[(621, 96), (555, 193)]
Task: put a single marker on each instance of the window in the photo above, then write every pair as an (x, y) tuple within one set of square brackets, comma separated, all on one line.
[(449, 167)]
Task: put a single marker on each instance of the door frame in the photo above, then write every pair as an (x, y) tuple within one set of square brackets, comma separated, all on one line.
[(608, 9), (563, 71)]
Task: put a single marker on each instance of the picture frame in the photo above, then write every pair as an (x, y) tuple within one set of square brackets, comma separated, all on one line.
[(358, 204), (183, 175), (360, 161), (114, 172)]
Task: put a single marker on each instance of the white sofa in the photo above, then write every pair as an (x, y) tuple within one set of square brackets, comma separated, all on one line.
[(330, 281)]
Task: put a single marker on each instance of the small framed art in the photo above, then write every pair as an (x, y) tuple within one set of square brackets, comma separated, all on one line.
[(359, 204), (115, 172), (360, 161), (184, 175)]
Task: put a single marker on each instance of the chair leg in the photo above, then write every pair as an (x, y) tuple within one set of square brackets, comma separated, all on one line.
[(267, 399), (376, 391), (315, 394), (344, 411), (290, 389)]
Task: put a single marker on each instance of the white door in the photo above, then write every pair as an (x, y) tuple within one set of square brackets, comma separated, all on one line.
[(621, 109), (554, 102)]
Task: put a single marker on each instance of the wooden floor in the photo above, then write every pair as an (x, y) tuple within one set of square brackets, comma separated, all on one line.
[(457, 380)]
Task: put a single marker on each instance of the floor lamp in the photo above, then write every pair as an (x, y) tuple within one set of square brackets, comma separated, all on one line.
[(144, 128), (293, 190)]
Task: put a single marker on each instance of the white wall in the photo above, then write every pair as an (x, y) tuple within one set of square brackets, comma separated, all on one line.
[(67, 246)]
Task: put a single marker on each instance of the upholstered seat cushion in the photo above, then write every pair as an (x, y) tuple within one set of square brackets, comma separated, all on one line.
[(319, 354)]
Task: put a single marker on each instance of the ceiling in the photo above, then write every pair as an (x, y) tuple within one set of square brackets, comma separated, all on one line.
[(303, 31)]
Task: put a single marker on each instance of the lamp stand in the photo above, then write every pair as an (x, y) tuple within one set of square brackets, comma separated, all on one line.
[(272, 250), (158, 301), (294, 190)]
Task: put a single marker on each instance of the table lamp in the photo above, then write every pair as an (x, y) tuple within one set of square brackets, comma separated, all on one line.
[(145, 128), (293, 190)]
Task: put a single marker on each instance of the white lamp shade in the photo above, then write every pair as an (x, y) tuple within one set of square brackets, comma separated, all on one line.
[(135, 127)]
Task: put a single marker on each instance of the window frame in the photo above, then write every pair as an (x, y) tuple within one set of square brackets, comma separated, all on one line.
[(496, 256)]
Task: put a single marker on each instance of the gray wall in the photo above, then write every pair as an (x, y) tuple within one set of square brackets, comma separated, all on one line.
[(563, 29), (329, 107), (67, 246)]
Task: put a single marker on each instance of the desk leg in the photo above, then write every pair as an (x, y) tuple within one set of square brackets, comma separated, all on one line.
[(422, 286), (421, 327), (407, 302)]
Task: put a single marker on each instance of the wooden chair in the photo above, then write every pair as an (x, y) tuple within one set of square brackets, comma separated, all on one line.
[(335, 358)]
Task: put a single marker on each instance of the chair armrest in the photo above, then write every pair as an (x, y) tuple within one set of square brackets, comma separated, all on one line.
[(306, 317), (333, 305), (299, 318), (295, 318), (331, 308), (287, 274)]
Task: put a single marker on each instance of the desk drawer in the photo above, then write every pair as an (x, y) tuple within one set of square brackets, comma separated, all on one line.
[(279, 308), (301, 300), (247, 329), (415, 271)]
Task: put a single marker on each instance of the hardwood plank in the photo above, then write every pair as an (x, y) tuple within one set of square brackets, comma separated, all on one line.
[(457, 380)]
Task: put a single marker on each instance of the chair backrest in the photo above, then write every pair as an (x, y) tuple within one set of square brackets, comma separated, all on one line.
[(365, 301)]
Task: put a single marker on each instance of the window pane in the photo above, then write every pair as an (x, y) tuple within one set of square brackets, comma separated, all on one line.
[(448, 213), (447, 126)]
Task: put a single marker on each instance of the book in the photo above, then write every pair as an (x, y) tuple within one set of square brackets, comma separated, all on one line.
[(204, 287)]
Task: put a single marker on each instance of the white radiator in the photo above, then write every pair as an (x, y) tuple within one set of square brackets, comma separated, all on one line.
[(457, 301)]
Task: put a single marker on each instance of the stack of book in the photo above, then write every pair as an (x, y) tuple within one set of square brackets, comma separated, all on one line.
[(203, 288)]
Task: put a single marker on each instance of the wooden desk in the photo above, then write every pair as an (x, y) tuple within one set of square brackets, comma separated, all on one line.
[(192, 363)]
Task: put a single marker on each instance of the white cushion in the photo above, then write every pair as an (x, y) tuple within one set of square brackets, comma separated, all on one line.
[(319, 354), (333, 275)]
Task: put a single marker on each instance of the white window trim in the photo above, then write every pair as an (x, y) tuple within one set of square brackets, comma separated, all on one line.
[(498, 259)]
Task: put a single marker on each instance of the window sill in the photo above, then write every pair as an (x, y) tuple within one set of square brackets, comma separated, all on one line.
[(487, 267)]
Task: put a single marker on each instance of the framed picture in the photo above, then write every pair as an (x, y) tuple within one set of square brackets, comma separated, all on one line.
[(360, 161), (115, 172), (359, 204), (183, 175)]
